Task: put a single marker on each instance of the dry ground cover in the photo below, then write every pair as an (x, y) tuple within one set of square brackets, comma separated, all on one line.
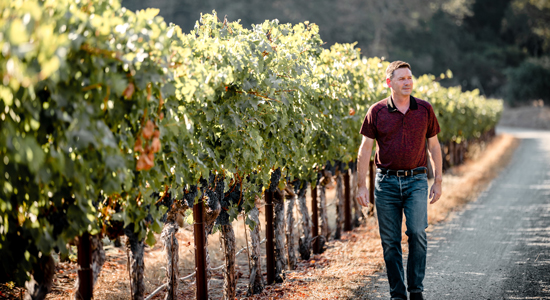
[(345, 269), (342, 271)]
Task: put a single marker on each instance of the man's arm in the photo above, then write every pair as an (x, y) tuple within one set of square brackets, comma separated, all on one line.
[(435, 151), (363, 160)]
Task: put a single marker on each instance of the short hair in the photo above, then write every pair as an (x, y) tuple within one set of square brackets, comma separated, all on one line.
[(394, 66)]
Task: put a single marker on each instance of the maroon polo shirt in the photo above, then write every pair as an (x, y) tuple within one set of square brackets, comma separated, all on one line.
[(400, 138)]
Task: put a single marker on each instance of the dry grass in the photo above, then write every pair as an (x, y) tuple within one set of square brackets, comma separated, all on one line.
[(340, 272), (464, 183)]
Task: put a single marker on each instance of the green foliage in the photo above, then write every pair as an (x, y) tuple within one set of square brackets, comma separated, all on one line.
[(102, 108), (528, 82), (69, 124), (461, 115)]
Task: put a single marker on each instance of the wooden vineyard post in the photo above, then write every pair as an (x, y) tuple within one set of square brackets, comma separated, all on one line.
[(269, 233), (347, 202), (372, 171), (200, 252), (315, 219), (85, 274)]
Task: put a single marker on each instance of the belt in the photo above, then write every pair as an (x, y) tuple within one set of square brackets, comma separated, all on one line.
[(402, 173)]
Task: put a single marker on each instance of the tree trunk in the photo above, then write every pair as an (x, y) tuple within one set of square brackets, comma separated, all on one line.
[(323, 213), (339, 206), (279, 228), (136, 266), (227, 238), (171, 246), (170, 241), (42, 279), (208, 229), (290, 238), (305, 241), (98, 255), (256, 283)]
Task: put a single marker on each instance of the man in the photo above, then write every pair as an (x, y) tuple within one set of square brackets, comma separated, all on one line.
[(401, 124)]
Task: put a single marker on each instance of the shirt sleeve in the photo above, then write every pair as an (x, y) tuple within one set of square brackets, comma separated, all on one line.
[(368, 128), (433, 124)]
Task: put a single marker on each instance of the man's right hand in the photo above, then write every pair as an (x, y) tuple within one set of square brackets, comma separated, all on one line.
[(363, 196)]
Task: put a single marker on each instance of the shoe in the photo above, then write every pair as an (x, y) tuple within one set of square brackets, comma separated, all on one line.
[(416, 296)]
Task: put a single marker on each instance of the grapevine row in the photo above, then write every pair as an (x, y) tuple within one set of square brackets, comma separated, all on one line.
[(111, 120)]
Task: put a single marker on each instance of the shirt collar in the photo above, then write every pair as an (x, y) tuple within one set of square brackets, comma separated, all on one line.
[(392, 108)]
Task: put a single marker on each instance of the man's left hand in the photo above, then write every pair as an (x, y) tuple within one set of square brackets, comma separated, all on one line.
[(435, 192)]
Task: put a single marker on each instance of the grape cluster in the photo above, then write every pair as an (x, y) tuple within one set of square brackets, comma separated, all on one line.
[(296, 185), (59, 221), (340, 166), (352, 165), (167, 201), (330, 167), (301, 188), (218, 189), (231, 198), (275, 177), (211, 179), (155, 195), (213, 196), (190, 195), (149, 218), (100, 199), (114, 229), (319, 176)]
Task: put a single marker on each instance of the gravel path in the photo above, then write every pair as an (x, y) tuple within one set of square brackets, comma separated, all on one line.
[(497, 247)]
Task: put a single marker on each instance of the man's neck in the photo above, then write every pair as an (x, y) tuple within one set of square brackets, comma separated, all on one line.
[(402, 102)]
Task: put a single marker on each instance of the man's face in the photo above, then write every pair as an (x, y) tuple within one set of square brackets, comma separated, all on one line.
[(402, 83)]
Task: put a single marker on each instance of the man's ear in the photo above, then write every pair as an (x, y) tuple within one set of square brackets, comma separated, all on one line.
[(388, 82)]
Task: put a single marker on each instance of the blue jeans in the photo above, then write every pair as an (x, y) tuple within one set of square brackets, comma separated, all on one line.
[(394, 195)]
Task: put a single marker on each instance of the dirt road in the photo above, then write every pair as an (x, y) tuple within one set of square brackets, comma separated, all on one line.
[(497, 247)]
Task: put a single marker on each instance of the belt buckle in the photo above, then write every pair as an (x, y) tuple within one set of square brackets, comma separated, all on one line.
[(404, 172)]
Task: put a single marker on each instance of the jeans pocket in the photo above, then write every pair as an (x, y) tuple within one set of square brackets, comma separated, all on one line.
[(421, 176), (380, 177), (422, 181), (379, 180)]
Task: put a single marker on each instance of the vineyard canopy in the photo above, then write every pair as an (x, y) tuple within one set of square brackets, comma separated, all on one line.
[(104, 109)]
